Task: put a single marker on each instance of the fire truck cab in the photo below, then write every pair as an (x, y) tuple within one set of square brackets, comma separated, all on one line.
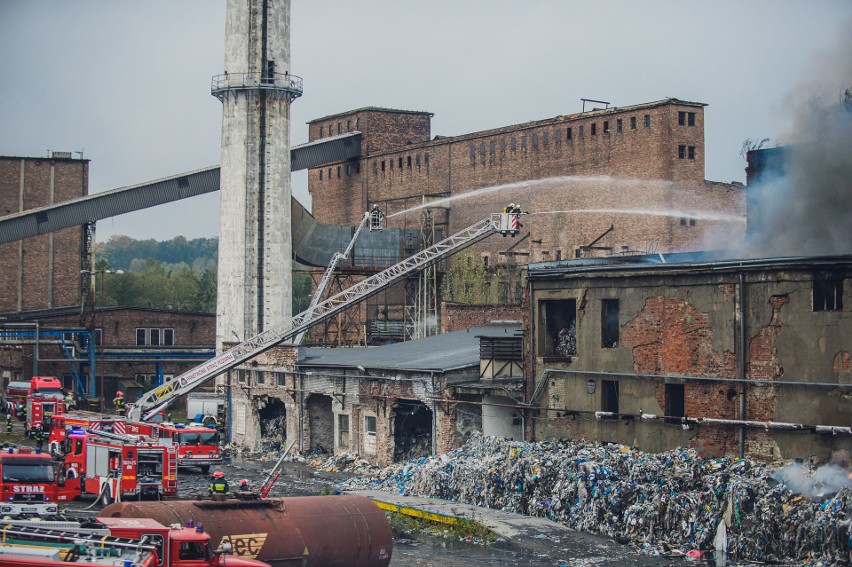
[(115, 467), (81, 420), (29, 484), (44, 401), (196, 445)]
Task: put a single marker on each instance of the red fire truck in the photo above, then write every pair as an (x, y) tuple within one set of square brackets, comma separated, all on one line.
[(197, 446), (117, 467), (44, 401), (29, 483), (138, 542), (81, 420)]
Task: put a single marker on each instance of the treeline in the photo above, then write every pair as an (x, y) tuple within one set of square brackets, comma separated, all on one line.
[(177, 274)]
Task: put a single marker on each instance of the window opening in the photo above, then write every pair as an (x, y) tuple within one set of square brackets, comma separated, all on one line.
[(681, 118), (619, 125), (690, 152), (609, 323), (343, 431), (558, 319), (568, 133), (609, 397), (681, 152), (581, 131), (320, 175), (141, 337), (594, 129), (168, 337), (632, 122), (606, 127), (827, 293), (647, 121), (408, 162), (690, 119), (675, 403)]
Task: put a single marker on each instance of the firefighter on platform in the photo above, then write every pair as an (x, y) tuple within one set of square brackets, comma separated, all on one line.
[(70, 402), (244, 487), (8, 423), (218, 484), (118, 402), (377, 218)]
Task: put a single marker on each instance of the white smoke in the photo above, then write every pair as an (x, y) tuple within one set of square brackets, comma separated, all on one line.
[(818, 484)]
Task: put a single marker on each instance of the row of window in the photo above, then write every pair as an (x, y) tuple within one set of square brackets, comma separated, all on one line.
[(154, 336), (330, 128), (675, 399), (560, 316), (261, 378)]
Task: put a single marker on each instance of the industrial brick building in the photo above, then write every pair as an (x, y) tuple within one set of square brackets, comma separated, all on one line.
[(730, 357), (605, 182)]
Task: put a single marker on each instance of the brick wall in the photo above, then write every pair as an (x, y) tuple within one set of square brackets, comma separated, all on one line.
[(458, 316), (43, 271)]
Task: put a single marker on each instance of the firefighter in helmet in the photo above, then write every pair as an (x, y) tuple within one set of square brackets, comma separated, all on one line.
[(118, 402), (39, 437), (244, 487), (8, 422), (218, 484), (377, 218)]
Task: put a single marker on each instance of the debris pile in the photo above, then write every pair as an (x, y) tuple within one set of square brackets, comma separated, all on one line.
[(659, 502)]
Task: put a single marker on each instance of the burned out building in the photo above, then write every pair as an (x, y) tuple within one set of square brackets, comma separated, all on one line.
[(385, 403), (727, 356)]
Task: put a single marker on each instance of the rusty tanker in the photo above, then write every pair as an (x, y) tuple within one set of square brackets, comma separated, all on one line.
[(310, 531)]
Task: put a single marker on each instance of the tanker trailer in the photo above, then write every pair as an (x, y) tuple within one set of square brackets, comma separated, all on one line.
[(308, 531)]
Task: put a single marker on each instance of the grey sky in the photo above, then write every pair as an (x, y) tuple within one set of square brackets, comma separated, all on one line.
[(129, 82)]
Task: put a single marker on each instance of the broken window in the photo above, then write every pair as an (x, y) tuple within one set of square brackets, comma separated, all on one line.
[(674, 403), (690, 152), (681, 152), (609, 323), (828, 293), (609, 396), (690, 119), (343, 431), (557, 328)]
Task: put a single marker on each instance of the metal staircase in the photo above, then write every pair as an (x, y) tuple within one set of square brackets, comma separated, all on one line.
[(153, 401)]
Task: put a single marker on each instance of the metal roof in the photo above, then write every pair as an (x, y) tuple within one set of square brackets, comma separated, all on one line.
[(326, 150), (440, 353), (693, 261)]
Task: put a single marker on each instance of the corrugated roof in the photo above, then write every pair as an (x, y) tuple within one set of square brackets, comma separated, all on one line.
[(441, 353)]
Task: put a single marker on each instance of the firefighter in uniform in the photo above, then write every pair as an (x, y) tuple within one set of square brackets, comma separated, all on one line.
[(218, 484), (118, 402), (8, 423), (39, 436)]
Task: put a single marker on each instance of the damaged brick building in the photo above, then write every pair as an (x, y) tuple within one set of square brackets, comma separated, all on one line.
[(604, 182), (384, 403), (727, 356)]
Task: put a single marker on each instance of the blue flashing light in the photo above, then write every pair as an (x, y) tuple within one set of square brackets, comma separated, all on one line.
[(199, 528), (190, 523), (11, 450), (46, 499)]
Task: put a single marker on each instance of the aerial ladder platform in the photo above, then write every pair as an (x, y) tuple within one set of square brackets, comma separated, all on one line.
[(159, 398)]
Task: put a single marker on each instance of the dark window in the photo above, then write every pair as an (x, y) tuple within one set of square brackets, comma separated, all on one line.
[(281, 379), (681, 118), (141, 337), (99, 336), (322, 128), (690, 119), (482, 149), (417, 160), (594, 129), (690, 152), (343, 430), (348, 125), (472, 154), (168, 337), (606, 127), (609, 323), (568, 133), (426, 158), (557, 136), (492, 147), (691, 221), (502, 145), (545, 138), (619, 125), (632, 122), (321, 175), (681, 152), (338, 172), (682, 221), (348, 169), (514, 144), (329, 174), (485, 262), (370, 424), (647, 121), (260, 377), (558, 320), (535, 140), (399, 162), (828, 293), (376, 168), (408, 162), (609, 396), (339, 128), (357, 123), (155, 337), (524, 142), (675, 407), (581, 131)]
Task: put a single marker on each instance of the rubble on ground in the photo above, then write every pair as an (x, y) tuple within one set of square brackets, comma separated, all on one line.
[(659, 502)]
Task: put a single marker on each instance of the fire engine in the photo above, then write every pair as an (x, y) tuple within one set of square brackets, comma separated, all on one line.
[(116, 467), (44, 401), (29, 484), (197, 446), (16, 398), (81, 420), (138, 542)]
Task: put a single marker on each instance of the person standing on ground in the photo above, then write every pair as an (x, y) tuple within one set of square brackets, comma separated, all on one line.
[(39, 435), (8, 423), (118, 402)]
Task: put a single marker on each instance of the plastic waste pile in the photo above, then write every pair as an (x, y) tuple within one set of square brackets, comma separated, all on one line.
[(659, 502)]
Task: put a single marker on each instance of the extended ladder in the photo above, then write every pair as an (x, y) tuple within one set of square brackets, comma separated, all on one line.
[(71, 535), (153, 401)]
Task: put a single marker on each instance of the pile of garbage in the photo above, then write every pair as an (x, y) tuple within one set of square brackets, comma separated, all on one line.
[(659, 502), (345, 463)]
